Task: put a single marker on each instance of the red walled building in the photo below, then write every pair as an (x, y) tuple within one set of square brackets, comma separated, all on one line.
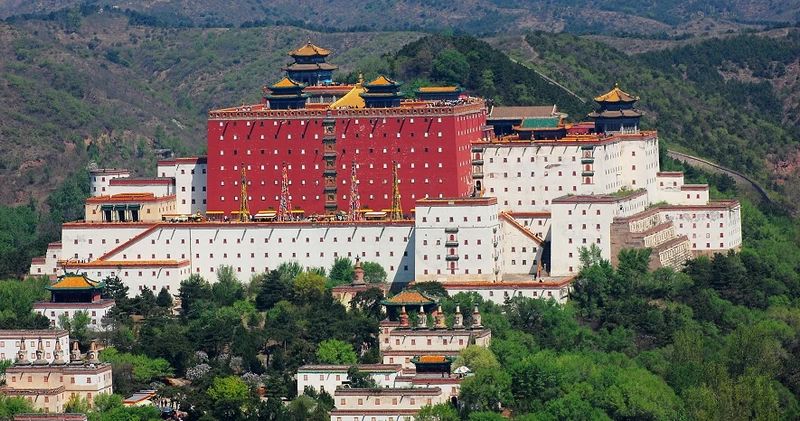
[(429, 140), (431, 145)]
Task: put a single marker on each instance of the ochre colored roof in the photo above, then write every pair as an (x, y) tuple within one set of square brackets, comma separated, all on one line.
[(432, 359), (617, 95), (351, 99), (287, 83), (309, 50), (440, 89), (382, 80), (411, 297), (75, 281)]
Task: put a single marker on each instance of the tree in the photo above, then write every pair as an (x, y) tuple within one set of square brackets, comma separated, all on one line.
[(333, 351), (369, 302), (438, 412), (78, 325), (308, 287), (373, 273), (477, 358), (450, 66), (164, 298), (105, 402), (590, 256), (115, 289), (193, 291), (76, 404), (432, 288), (486, 390), (359, 379), (10, 406), (341, 271), (229, 395), (272, 289), (227, 290)]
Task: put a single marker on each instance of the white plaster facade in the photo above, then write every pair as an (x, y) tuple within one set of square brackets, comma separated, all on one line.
[(96, 311), (190, 182), (329, 377), (458, 238), (11, 341), (99, 180)]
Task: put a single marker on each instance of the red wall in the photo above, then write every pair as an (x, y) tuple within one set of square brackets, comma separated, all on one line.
[(293, 137)]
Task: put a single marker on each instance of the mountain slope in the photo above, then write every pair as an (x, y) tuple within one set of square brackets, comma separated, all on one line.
[(123, 95), (473, 16)]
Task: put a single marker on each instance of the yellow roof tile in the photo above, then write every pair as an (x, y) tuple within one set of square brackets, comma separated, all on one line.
[(287, 83), (309, 50), (616, 95), (438, 89), (74, 281), (382, 80), (351, 99)]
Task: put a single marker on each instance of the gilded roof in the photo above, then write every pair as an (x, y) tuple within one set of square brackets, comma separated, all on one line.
[(309, 50), (616, 95), (288, 83), (75, 281), (382, 81), (440, 89), (351, 99)]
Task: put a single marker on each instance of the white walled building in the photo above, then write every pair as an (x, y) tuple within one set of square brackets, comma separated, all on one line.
[(100, 180), (12, 341), (328, 377)]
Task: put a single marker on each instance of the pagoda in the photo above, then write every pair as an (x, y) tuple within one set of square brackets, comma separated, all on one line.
[(382, 93), (75, 288), (309, 65), (286, 94), (617, 113), (73, 292)]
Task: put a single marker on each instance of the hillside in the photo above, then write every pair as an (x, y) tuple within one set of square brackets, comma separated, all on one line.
[(472, 16), (124, 95)]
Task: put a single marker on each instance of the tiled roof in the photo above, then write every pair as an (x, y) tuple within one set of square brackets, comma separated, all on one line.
[(617, 95), (309, 50), (410, 297), (439, 89), (383, 81), (287, 83), (73, 281)]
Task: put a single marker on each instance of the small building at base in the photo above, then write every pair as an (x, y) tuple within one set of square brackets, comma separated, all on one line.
[(72, 293)]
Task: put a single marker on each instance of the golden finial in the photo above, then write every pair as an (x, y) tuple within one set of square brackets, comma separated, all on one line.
[(360, 78), (616, 84)]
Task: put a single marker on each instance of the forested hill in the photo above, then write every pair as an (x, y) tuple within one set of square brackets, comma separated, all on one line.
[(735, 100), (470, 16)]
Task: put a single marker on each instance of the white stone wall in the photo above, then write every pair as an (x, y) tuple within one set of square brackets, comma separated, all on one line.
[(99, 180), (158, 189), (581, 222), (330, 379), (469, 233), (190, 183), (709, 229), (499, 292), (248, 248), (527, 177), (10, 344), (54, 311)]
